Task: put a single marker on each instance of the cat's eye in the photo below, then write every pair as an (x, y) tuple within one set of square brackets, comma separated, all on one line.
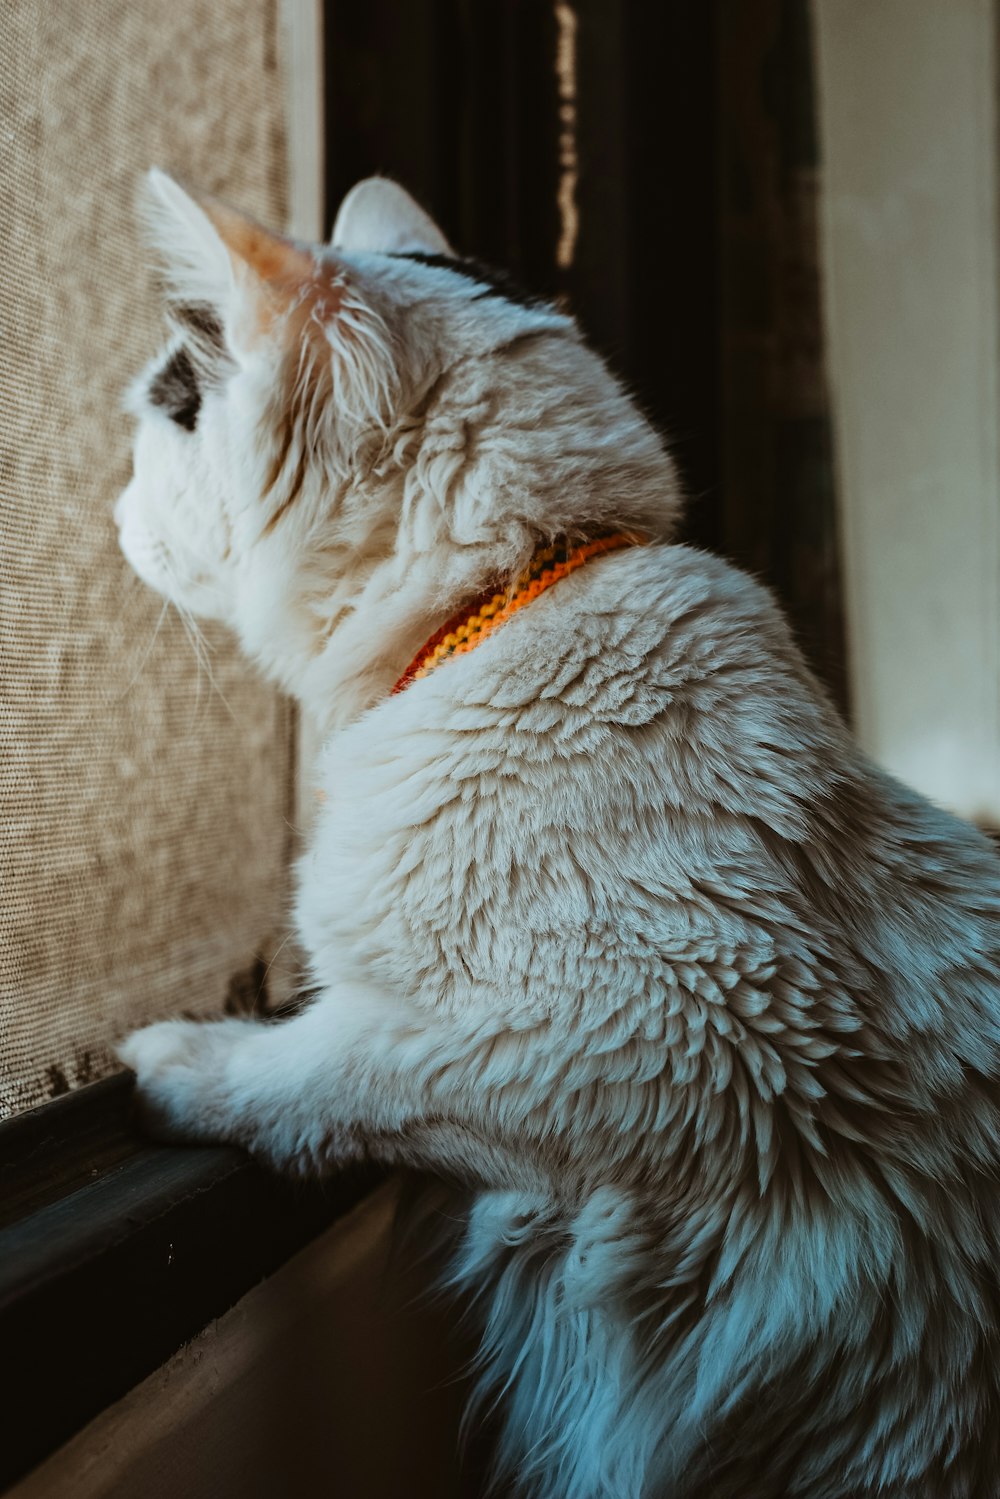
[(175, 390)]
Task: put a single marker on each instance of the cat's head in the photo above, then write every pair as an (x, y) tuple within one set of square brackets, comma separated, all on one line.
[(319, 409)]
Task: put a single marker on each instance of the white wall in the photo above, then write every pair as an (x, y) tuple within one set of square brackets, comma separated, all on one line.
[(908, 117)]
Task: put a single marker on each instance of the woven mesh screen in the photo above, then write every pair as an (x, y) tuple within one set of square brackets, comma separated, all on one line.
[(143, 843)]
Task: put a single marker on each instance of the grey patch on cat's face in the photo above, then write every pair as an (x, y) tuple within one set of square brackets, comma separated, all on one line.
[(495, 283), (202, 322), (175, 390)]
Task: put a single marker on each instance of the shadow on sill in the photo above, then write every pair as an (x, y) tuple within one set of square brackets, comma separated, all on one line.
[(114, 1252)]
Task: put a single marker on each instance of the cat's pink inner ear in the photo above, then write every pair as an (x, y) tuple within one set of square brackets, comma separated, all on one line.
[(284, 275)]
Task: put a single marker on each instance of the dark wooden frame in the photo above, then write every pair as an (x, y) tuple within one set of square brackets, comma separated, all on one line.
[(696, 270), (458, 100)]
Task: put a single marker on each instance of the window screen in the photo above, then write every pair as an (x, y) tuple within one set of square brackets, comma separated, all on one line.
[(145, 797)]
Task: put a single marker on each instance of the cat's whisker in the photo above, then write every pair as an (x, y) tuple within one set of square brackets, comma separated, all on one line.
[(202, 644), (146, 653), (185, 620), (199, 644), (274, 958), (187, 624)]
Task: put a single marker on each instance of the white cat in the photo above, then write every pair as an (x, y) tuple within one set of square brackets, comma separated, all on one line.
[(611, 921)]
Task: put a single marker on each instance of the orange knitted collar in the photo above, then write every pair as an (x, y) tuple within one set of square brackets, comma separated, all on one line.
[(471, 625)]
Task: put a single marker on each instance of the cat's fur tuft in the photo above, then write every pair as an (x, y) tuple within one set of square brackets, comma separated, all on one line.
[(611, 921)]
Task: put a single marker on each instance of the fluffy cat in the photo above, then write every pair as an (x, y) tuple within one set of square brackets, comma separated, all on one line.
[(611, 921)]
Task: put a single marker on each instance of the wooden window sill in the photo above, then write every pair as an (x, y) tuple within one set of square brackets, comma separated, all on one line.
[(115, 1251)]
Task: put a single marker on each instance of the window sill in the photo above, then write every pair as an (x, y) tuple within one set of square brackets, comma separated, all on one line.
[(115, 1251)]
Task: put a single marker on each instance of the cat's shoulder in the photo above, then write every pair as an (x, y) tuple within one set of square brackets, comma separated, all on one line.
[(670, 598), (674, 575)]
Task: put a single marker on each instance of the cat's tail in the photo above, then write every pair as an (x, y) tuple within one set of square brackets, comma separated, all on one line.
[(554, 1289)]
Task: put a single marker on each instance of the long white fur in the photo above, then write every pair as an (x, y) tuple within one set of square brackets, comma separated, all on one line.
[(612, 922)]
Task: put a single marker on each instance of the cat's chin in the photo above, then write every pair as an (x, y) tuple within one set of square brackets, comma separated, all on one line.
[(139, 560), (198, 601)]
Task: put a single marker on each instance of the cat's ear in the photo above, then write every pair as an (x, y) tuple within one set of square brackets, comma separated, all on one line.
[(380, 215), (213, 255)]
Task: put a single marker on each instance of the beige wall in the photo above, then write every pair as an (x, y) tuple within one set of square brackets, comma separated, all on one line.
[(907, 92)]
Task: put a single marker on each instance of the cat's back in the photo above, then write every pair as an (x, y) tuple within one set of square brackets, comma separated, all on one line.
[(663, 669), (658, 660), (639, 723), (645, 726)]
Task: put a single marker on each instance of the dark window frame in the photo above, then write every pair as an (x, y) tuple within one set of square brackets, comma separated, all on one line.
[(115, 1251)]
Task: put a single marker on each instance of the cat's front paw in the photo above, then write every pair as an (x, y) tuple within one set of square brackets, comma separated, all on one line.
[(180, 1068)]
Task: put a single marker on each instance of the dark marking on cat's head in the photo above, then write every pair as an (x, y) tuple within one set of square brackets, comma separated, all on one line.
[(495, 283), (175, 390), (199, 319)]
